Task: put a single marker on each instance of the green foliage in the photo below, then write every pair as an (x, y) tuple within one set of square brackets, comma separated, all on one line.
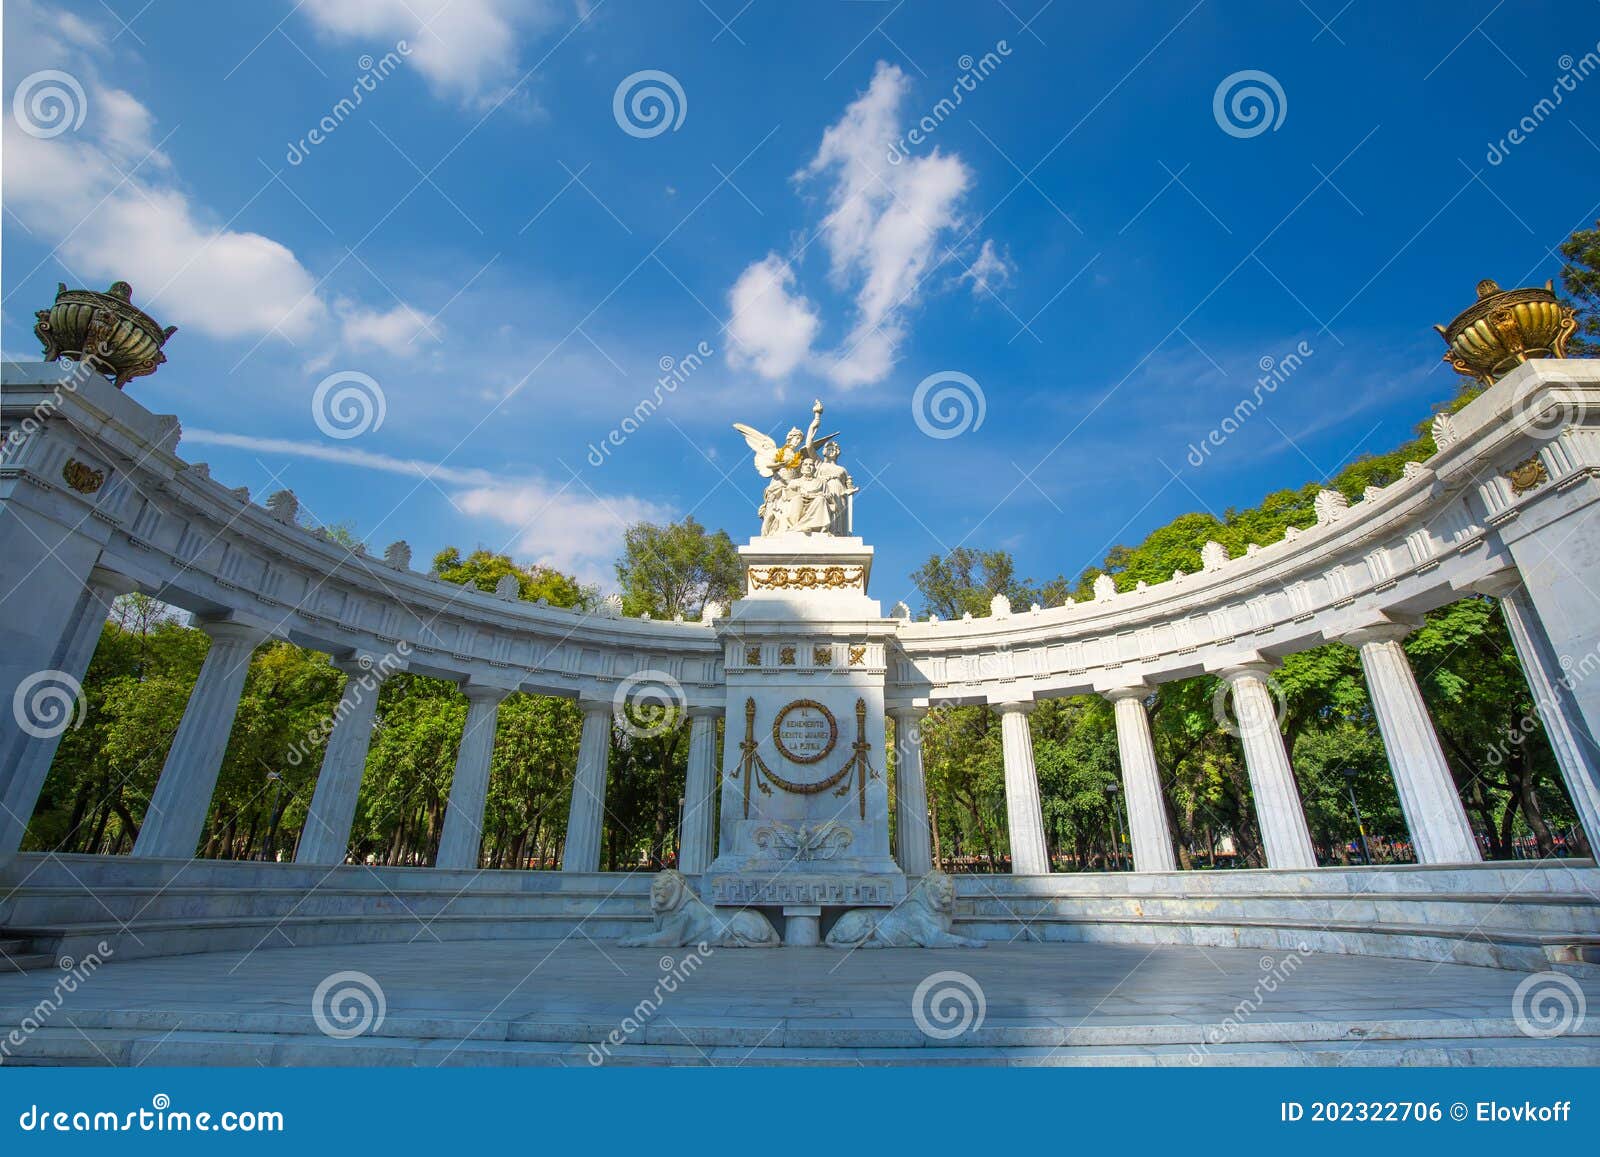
[(675, 569), (484, 569), (1580, 278)]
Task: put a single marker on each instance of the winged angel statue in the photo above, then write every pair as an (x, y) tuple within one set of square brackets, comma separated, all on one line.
[(809, 492)]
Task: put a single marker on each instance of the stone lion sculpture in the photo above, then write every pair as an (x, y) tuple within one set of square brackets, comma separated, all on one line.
[(683, 918), (922, 920)]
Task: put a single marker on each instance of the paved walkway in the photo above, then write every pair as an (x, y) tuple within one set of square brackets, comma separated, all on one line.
[(563, 997)]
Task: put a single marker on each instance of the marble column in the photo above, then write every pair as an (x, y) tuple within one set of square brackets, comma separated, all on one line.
[(182, 799), (28, 755), (326, 837), (1024, 818), (469, 786), (697, 840), (1277, 797), (586, 819), (1141, 783), (1428, 796), (1576, 752), (913, 839)]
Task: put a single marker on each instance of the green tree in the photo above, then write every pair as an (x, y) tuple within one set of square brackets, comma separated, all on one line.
[(484, 569), (1580, 277), (676, 569)]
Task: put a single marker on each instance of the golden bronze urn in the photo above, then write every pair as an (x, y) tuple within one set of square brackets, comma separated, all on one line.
[(1505, 328), (104, 331)]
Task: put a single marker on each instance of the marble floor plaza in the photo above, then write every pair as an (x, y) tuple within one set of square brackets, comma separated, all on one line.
[(558, 1003)]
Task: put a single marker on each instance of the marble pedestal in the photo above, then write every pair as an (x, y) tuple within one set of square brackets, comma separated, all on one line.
[(805, 805)]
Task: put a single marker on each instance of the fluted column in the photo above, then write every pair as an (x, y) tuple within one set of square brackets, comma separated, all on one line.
[(586, 819), (1024, 818), (326, 836), (913, 840), (1278, 809), (1576, 752), (1428, 796), (182, 799), (30, 751), (697, 840), (469, 787), (1141, 783)]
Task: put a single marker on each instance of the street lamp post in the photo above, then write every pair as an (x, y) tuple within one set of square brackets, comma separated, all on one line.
[(1349, 774)]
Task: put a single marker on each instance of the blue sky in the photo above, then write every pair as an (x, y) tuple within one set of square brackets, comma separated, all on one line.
[(1109, 258)]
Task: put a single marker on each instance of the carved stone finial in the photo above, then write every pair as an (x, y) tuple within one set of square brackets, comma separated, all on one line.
[(901, 611), (999, 607), (1329, 506), (1444, 430), (103, 331), (611, 607), (508, 587), (283, 506), (712, 611), (200, 470), (1105, 587), (1371, 493), (1213, 556), (398, 555)]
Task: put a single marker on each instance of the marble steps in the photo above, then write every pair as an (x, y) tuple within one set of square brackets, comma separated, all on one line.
[(1433, 1042), (177, 937), (1482, 945)]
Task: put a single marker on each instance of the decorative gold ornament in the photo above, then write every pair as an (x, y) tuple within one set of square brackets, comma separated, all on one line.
[(752, 656), (104, 331), (786, 656), (82, 477), (806, 578), (1505, 328), (821, 655), (803, 705), (754, 770), (1526, 476), (858, 655)]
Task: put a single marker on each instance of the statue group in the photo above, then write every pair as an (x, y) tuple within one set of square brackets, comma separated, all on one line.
[(809, 492)]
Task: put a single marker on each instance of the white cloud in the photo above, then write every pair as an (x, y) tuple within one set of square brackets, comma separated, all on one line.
[(115, 209), (394, 331), (568, 527), (467, 49), (772, 328), (887, 226), (990, 271)]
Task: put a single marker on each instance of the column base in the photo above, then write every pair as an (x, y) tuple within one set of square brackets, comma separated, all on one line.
[(802, 926)]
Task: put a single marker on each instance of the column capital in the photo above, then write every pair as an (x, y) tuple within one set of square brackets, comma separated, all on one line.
[(1379, 633), (898, 711), (360, 663), (112, 582), (1260, 670), (1135, 691), (706, 711), (232, 631), (1013, 707), (595, 706), (1507, 584), (484, 692)]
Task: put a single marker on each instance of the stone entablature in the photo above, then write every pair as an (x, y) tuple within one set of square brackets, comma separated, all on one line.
[(1524, 453)]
